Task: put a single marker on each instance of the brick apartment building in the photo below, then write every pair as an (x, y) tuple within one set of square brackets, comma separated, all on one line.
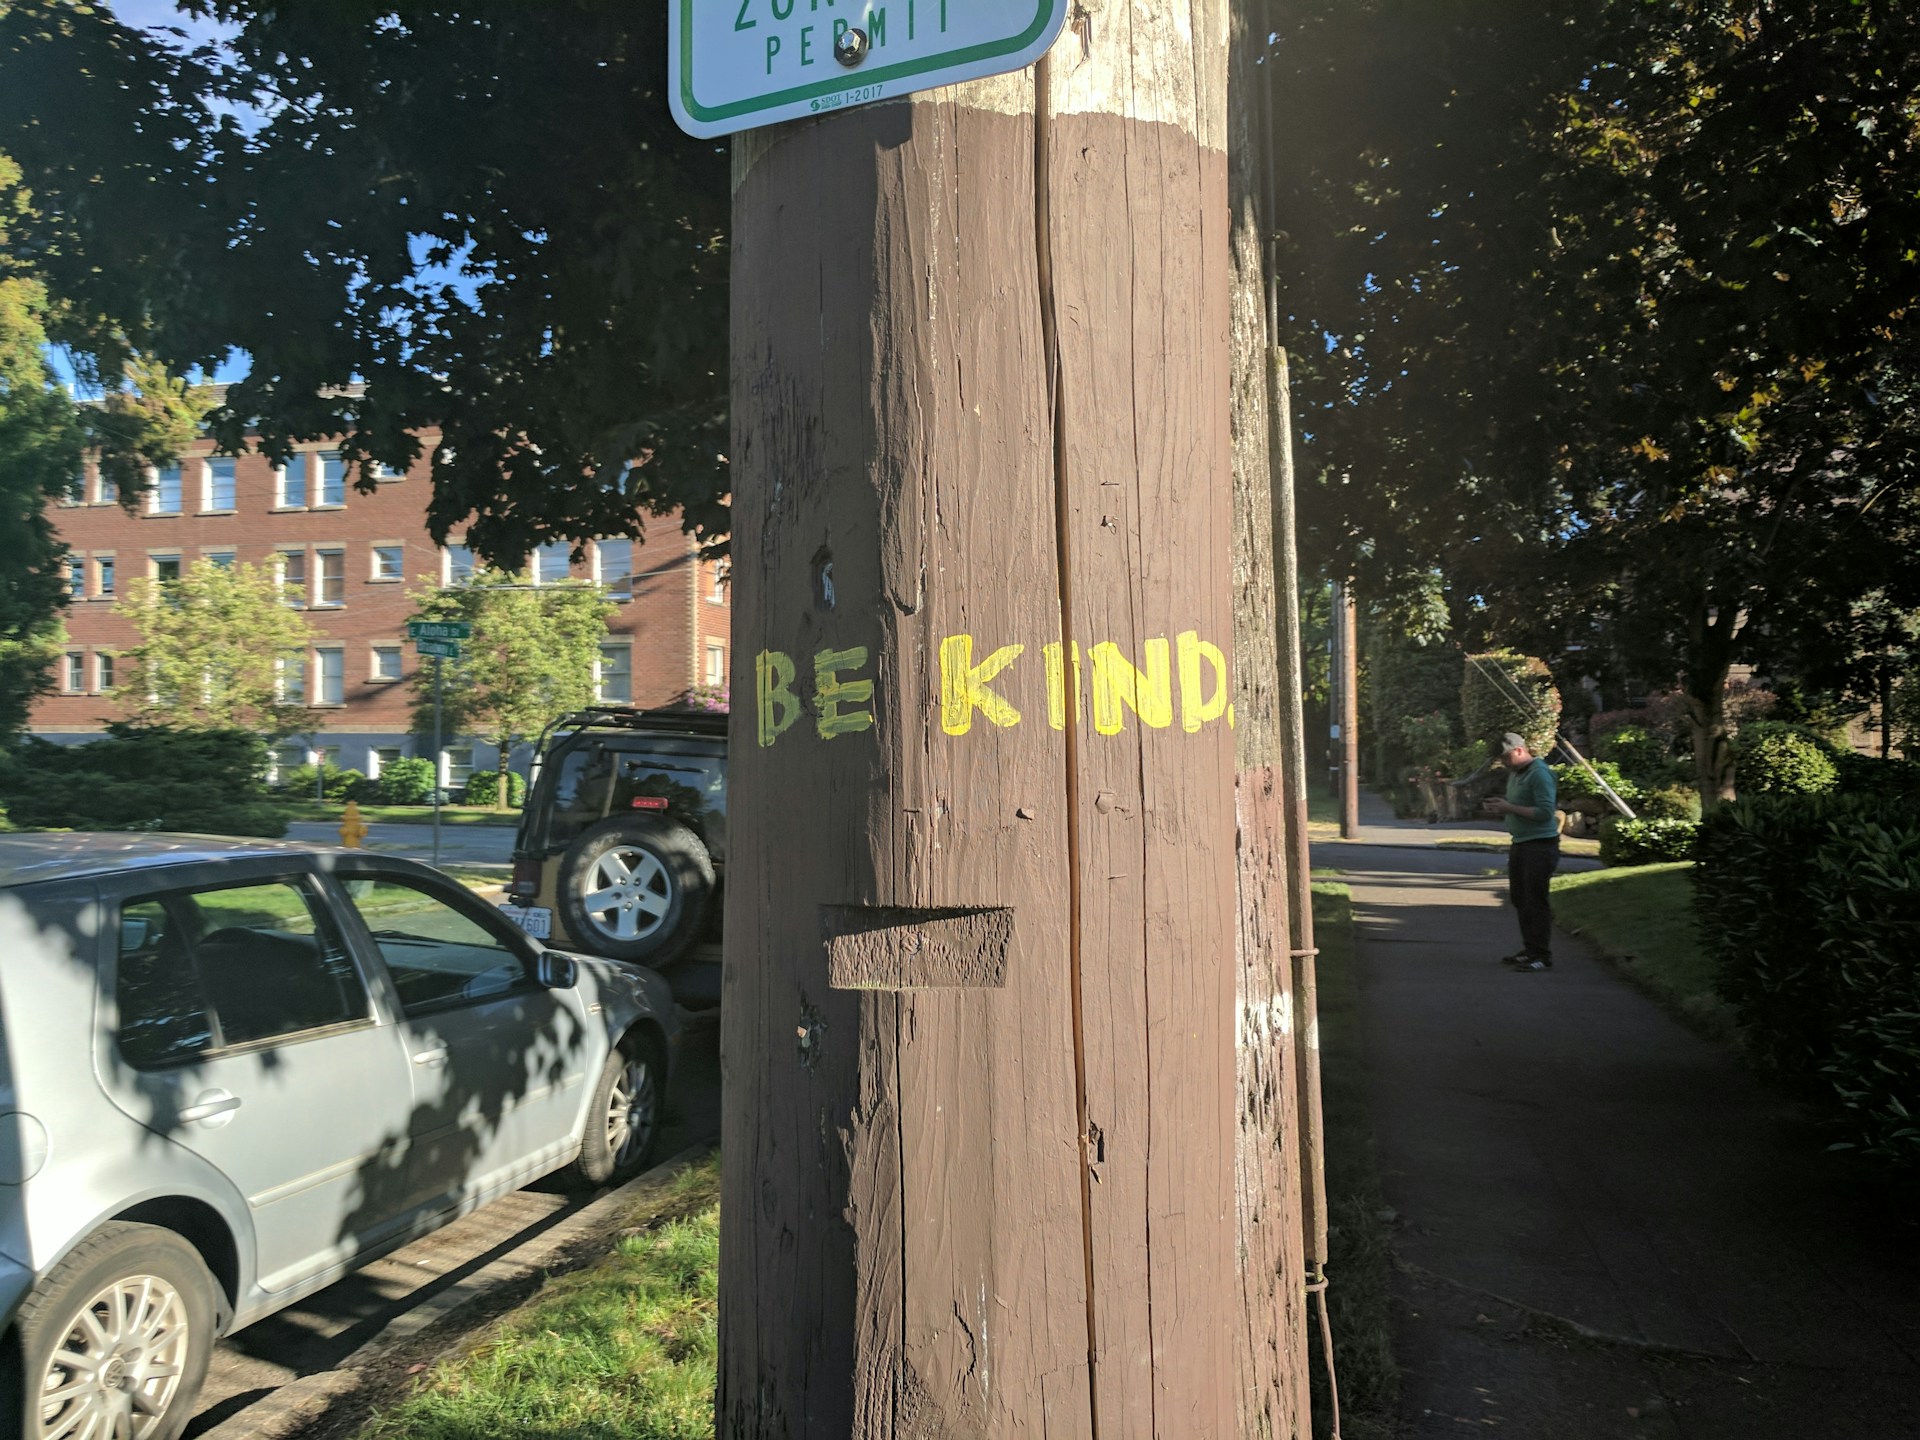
[(351, 558)]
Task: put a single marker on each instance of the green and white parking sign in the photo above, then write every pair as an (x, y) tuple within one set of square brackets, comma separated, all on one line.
[(737, 64)]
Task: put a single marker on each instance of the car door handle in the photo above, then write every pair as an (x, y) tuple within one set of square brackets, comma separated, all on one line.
[(210, 1107), (436, 1056)]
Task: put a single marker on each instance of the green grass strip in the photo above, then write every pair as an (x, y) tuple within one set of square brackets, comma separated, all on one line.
[(1359, 1262), (1641, 918), (628, 1347)]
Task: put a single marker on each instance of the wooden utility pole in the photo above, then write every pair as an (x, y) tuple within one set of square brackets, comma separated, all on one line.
[(979, 1022), (1273, 1386), (1346, 625)]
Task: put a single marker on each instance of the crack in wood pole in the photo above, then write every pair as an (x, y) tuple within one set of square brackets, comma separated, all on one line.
[(1050, 347)]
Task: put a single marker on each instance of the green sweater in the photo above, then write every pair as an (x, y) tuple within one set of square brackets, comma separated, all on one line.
[(1533, 787)]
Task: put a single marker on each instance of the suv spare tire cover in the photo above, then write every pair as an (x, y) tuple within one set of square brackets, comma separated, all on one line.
[(669, 862)]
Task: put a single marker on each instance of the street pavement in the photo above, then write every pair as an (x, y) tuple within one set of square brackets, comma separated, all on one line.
[(1606, 1227), (320, 1333), (478, 846)]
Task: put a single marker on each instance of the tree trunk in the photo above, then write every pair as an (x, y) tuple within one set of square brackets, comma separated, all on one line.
[(978, 1029), (1273, 1389), (500, 774)]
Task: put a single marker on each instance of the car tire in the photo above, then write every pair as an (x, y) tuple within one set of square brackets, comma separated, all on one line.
[(655, 879), (151, 1295), (623, 1119)]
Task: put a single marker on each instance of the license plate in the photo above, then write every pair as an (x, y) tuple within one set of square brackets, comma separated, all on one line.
[(536, 920)]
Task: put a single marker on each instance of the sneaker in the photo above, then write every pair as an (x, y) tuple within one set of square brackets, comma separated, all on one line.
[(1534, 962), (1518, 957)]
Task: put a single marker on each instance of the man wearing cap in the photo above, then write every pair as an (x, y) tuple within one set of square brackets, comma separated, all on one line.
[(1529, 810)]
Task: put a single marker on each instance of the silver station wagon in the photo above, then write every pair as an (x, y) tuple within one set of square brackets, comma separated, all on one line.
[(230, 1072)]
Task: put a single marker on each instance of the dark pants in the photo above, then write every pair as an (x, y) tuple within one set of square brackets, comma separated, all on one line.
[(1530, 867)]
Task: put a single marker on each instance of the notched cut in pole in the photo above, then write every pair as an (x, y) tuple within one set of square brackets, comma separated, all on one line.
[(885, 947)]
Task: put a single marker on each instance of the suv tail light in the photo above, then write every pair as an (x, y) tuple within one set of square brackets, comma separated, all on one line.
[(649, 802), (526, 879)]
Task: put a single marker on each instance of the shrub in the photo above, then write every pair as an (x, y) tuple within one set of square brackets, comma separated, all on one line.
[(408, 782), (1865, 775), (1645, 842), (1427, 741), (1772, 758), (1676, 802), (335, 784), (1576, 782), (1465, 761), (1645, 756), (144, 778), (1810, 906), (1489, 707), (483, 788)]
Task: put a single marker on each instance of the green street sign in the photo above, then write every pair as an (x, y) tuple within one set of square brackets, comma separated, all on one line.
[(445, 649), (439, 630), (737, 66)]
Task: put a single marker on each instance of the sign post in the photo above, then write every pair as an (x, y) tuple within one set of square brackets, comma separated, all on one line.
[(980, 999), (440, 639)]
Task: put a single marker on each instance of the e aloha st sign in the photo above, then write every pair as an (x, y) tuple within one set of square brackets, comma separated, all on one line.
[(738, 64)]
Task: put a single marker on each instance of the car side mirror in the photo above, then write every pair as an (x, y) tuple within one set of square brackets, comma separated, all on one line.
[(555, 971)]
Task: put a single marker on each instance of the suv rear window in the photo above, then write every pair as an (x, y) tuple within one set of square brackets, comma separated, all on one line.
[(220, 967), (598, 780)]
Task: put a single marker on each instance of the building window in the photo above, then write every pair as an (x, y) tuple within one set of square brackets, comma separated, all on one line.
[(456, 766), (220, 486), (716, 663), (75, 681), (459, 564), (613, 567), (380, 757), (290, 673), (333, 677), (293, 576), (166, 568), (333, 478), (551, 563), (616, 674), (717, 589), (293, 481), (77, 578), (386, 662), (222, 558), (77, 487), (287, 758), (103, 568), (331, 568), (389, 562), (103, 666), (166, 491), (109, 491)]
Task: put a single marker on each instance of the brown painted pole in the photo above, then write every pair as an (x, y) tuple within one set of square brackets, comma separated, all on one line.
[(1274, 1394), (978, 1028), (1347, 619)]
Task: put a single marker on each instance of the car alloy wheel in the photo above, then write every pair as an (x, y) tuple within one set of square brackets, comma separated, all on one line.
[(117, 1370), (628, 893), (631, 1112)]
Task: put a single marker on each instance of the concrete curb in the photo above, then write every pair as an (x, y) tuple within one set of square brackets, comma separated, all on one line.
[(299, 1403)]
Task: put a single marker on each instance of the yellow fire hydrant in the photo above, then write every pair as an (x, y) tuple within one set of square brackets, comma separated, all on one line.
[(352, 828)]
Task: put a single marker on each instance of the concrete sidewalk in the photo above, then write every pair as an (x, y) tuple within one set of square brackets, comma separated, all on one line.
[(1606, 1227), (1380, 826)]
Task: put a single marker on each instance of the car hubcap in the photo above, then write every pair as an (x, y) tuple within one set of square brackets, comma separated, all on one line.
[(630, 1112), (118, 1368), (628, 893)]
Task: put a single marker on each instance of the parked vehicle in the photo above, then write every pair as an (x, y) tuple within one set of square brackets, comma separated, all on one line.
[(233, 1071), (622, 847)]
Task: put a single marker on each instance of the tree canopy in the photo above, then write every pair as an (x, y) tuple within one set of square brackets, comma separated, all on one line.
[(482, 213), (1610, 311)]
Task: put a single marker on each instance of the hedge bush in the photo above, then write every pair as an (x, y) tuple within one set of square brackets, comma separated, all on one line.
[(483, 788), (1773, 758), (208, 782), (407, 782), (1645, 842), (1576, 782), (1645, 756), (335, 784), (1675, 802), (1810, 907), (1488, 708)]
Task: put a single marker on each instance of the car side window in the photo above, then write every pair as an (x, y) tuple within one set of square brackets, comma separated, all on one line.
[(218, 967), (438, 955)]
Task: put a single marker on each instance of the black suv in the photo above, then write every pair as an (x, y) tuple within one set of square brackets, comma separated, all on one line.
[(622, 848)]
